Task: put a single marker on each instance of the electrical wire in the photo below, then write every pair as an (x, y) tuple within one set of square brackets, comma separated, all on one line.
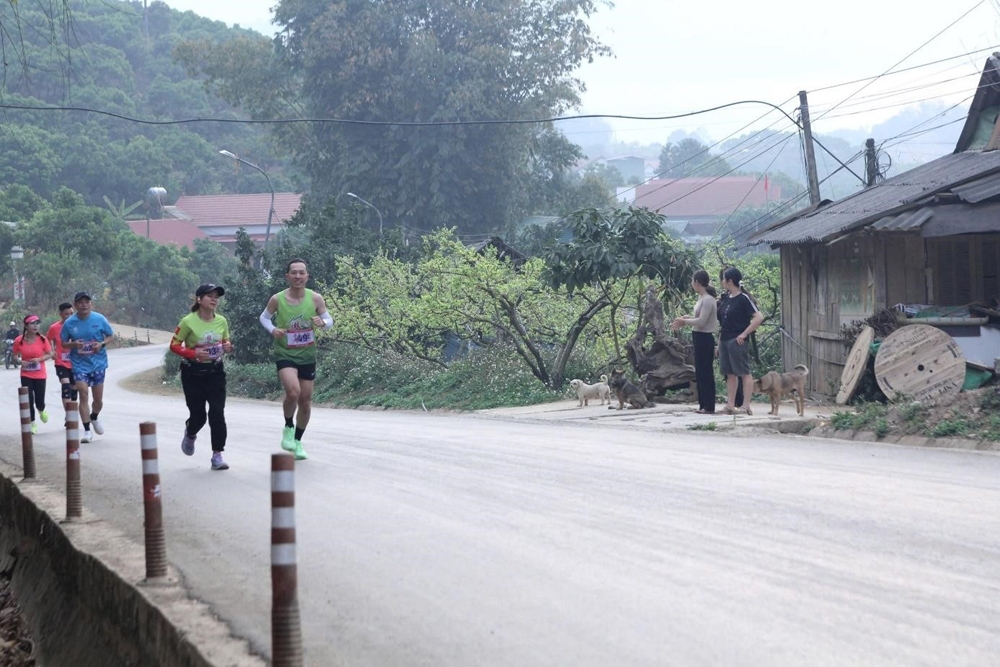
[(904, 58)]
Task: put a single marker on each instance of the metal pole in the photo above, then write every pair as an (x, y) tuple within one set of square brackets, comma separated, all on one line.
[(286, 626), (811, 175), (27, 442), (156, 541), (74, 492)]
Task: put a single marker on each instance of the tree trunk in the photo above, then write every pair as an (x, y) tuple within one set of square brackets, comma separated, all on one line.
[(558, 373), (665, 364)]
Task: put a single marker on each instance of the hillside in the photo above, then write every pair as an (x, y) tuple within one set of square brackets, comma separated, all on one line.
[(117, 57)]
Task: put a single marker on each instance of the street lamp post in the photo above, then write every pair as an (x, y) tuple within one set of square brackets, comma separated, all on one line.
[(368, 203), (270, 212), (16, 255)]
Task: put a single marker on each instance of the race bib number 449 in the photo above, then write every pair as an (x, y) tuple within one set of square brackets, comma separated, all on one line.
[(301, 338)]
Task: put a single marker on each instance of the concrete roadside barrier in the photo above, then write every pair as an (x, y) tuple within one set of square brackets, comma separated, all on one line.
[(27, 443)]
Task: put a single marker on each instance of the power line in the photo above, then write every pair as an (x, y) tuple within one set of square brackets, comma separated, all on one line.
[(905, 69), (904, 58)]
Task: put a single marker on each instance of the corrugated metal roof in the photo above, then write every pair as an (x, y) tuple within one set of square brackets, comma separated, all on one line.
[(979, 190), (904, 222), (944, 220), (890, 197)]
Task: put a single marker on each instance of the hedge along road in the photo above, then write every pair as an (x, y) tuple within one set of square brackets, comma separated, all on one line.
[(428, 539)]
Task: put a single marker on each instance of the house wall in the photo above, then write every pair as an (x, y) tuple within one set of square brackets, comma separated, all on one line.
[(827, 286)]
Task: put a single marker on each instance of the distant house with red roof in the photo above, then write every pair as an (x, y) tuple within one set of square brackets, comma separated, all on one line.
[(219, 217), (696, 207), (168, 231)]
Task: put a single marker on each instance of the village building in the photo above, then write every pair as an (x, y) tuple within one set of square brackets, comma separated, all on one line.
[(924, 242)]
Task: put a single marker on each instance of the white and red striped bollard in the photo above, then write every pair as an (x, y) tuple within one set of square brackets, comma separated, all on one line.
[(286, 626), (74, 492), (27, 443), (156, 541)]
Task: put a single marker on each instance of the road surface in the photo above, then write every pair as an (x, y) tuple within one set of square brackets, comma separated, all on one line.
[(457, 540)]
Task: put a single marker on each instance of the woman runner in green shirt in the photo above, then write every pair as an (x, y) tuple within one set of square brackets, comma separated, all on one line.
[(201, 338)]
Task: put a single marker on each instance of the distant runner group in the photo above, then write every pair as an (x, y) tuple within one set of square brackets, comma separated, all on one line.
[(202, 338)]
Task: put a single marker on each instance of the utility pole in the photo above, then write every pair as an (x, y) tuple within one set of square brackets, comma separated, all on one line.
[(871, 163), (811, 175)]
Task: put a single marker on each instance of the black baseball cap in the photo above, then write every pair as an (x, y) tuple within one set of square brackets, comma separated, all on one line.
[(209, 287), (81, 295)]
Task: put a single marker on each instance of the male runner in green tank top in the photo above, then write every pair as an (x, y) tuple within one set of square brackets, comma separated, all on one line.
[(297, 313)]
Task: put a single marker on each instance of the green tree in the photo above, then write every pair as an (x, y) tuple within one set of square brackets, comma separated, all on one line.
[(212, 263), (690, 158), (415, 61), (455, 290), (151, 283), (613, 250)]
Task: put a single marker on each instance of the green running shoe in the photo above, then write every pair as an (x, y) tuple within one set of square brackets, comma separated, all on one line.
[(300, 454), (288, 439), (45, 416)]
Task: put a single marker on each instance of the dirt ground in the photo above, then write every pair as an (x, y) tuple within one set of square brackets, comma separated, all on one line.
[(149, 382), (16, 647)]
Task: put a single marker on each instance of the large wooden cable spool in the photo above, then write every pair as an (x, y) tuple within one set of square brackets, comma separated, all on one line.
[(857, 364), (920, 362)]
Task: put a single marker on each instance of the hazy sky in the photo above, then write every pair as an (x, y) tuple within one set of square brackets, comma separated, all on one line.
[(675, 56)]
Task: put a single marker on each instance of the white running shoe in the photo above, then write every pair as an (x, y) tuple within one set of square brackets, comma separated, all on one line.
[(86, 436), (97, 426)]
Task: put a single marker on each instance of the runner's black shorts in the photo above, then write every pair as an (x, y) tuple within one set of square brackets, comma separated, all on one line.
[(64, 373), (306, 371)]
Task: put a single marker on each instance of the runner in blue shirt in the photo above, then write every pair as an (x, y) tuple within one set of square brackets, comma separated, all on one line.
[(85, 335)]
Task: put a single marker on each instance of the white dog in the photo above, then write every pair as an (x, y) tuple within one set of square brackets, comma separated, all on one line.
[(585, 391)]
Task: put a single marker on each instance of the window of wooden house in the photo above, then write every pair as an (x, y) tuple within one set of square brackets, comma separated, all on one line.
[(991, 269), (965, 269), (952, 275)]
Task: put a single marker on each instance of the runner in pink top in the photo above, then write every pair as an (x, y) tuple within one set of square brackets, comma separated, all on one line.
[(34, 350), (64, 367)]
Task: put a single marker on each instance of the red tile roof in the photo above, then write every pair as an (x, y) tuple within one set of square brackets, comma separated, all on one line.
[(237, 210), (169, 232), (675, 197)]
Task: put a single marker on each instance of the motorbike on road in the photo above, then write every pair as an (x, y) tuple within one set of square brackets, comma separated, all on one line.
[(9, 360)]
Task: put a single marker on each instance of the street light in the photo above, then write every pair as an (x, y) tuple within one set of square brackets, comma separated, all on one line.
[(267, 234), (368, 203), (17, 254)]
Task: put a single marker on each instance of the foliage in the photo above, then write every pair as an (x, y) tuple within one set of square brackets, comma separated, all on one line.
[(710, 426), (488, 378), (150, 282), (100, 55), (690, 157), (454, 292), (865, 416), (614, 250), (246, 296), (417, 61)]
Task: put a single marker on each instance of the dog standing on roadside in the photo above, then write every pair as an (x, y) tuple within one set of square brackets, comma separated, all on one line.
[(776, 385), (626, 392), (585, 391)]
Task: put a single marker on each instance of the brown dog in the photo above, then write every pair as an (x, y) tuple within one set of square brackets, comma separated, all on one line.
[(777, 385), (626, 392)]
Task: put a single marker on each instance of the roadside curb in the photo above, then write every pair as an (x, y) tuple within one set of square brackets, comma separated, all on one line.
[(826, 431), (77, 585)]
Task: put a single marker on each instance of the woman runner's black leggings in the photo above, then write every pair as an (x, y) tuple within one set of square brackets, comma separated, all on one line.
[(36, 393)]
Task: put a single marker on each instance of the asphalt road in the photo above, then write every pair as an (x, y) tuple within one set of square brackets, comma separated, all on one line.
[(457, 540)]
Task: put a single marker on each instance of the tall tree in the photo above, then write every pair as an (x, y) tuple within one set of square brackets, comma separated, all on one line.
[(418, 61), (690, 158)]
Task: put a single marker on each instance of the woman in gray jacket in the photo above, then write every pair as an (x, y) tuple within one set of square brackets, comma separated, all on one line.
[(704, 322)]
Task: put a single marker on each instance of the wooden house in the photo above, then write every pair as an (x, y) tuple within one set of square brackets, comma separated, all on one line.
[(930, 235)]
